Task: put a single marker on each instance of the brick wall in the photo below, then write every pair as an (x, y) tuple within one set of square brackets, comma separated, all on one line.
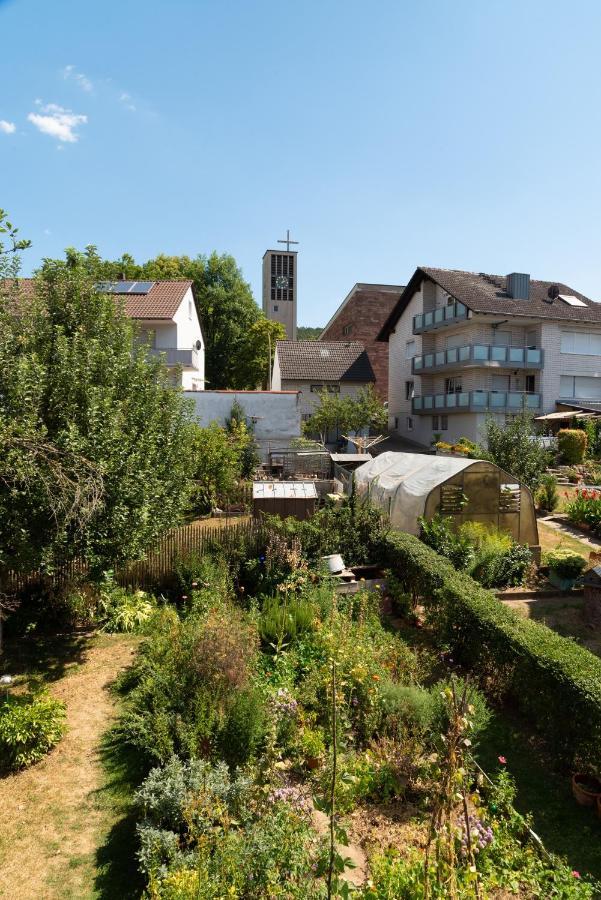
[(364, 314)]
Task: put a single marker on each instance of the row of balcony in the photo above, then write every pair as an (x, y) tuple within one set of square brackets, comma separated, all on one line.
[(175, 356), (476, 401), (436, 318), (479, 355)]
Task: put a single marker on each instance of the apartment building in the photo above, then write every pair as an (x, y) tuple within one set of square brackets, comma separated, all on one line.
[(466, 345)]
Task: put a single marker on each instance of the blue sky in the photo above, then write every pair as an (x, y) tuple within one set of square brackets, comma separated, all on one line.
[(386, 135)]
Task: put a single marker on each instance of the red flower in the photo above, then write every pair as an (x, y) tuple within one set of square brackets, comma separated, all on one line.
[(575, 873), (502, 760)]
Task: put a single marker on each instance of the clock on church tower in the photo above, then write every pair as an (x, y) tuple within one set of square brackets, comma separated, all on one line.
[(279, 286)]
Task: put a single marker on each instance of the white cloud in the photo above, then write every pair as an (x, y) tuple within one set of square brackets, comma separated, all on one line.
[(125, 98), (7, 127), (82, 80), (57, 122)]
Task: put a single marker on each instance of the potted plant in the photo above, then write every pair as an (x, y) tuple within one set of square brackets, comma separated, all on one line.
[(442, 448), (311, 746), (565, 567), (586, 789)]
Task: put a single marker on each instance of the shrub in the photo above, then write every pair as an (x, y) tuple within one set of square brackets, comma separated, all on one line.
[(543, 674), (438, 533), (244, 729), (407, 708), (565, 563), (479, 717), (30, 725), (571, 443), (120, 610), (284, 621), (547, 495)]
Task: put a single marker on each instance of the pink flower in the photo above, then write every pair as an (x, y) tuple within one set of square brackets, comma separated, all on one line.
[(575, 873), (502, 760), (184, 596)]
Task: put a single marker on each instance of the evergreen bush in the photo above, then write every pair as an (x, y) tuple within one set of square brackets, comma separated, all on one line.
[(571, 443)]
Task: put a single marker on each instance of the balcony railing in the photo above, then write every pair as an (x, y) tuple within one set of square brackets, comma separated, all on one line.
[(479, 355), (476, 401), (175, 356), (442, 315)]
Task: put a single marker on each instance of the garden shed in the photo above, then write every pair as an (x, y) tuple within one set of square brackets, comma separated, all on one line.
[(409, 485), (284, 498)]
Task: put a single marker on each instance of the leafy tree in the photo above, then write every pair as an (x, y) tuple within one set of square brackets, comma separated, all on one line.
[(94, 440), (236, 332), (308, 333), (242, 435), (217, 465), (365, 410), (513, 447)]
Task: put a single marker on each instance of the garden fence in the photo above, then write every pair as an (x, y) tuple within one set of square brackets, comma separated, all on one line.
[(195, 538)]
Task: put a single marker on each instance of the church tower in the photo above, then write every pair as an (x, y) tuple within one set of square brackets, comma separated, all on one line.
[(279, 286)]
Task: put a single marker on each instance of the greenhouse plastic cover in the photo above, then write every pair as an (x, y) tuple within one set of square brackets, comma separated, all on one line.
[(399, 483)]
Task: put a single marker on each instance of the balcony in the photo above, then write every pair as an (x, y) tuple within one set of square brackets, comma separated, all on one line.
[(176, 356), (475, 402), (478, 355), (437, 318)]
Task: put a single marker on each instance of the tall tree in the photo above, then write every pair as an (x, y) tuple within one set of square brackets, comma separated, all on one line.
[(94, 449), (235, 329)]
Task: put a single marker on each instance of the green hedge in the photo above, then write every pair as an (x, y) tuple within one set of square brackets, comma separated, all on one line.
[(571, 443), (554, 682)]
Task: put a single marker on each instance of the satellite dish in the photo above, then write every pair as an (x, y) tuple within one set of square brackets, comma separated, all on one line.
[(198, 345), (553, 292)]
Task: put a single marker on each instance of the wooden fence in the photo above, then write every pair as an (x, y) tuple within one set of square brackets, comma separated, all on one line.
[(146, 573)]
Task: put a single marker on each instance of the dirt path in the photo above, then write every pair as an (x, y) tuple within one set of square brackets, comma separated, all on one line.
[(52, 821)]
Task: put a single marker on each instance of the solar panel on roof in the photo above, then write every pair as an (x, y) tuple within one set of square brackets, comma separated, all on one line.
[(571, 300), (125, 287)]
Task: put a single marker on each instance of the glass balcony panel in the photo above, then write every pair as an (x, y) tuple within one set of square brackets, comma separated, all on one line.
[(516, 354), (428, 401), (449, 312), (463, 399), (439, 314), (515, 400), (464, 353), (480, 352), (439, 401), (417, 403), (418, 322), (498, 354), (451, 400), (440, 358), (533, 401), (497, 400), (460, 310), (428, 360), (534, 356), (428, 319), (480, 399), (417, 363), (452, 355)]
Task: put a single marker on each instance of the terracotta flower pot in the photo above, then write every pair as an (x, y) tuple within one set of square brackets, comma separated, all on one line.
[(586, 789)]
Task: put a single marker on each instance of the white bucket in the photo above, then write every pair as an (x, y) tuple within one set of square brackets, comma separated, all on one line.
[(334, 562)]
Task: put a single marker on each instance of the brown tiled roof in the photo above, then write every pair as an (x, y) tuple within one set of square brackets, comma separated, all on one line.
[(161, 302), (324, 360), (484, 293)]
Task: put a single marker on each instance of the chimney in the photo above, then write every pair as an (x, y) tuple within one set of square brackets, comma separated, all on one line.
[(518, 286)]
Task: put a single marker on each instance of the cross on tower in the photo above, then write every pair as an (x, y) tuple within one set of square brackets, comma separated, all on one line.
[(287, 240)]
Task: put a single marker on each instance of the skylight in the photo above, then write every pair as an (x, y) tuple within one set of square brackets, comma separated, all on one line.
[(571, 300)]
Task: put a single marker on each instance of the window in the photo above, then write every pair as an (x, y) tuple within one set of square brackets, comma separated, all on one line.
[(275, 308), (396, 423), (189, 309), (501, 338), (583, 342), (435, 423), (409, 423), (409, 390), (580, 387), (409, 349), (530, 384), (347, 330), (453, 385), (444, 423), (316, 388)]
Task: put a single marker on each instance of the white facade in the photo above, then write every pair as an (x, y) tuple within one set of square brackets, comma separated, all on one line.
[(180, 341), (507, 362), (273, 415), (310, 389)]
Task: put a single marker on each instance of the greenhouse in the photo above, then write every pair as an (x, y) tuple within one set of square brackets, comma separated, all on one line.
[(409, 485)]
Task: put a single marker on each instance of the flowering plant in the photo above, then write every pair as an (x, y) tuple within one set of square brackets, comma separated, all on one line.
[(585, 509)]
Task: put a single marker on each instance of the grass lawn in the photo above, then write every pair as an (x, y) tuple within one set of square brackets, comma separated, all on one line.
[(65, 830), (551, 539)]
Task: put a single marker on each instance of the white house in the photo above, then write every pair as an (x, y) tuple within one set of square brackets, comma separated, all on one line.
[(311, 367), (167, 320), (465, 345)]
